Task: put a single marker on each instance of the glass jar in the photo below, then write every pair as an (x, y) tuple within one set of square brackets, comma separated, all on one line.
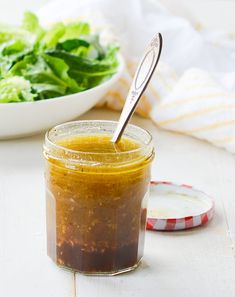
[(96, 198)]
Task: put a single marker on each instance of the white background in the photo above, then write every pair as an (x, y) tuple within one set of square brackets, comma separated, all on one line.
[(214, 14)]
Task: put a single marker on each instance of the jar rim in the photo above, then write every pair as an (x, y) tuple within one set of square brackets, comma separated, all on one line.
[(114, 123)]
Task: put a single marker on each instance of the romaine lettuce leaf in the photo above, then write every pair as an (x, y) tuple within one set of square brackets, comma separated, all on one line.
[(87, 72), (61, 33), (48, 75), (75, 30), (31, 22), (15, 89), (52, 36)]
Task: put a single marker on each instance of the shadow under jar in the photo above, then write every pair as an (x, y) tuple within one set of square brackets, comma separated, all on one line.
[(96, 194)]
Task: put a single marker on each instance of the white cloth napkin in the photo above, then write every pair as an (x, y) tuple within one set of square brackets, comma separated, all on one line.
[(193, 90)]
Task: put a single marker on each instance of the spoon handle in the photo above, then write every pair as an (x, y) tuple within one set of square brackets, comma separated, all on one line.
[(141, 79)]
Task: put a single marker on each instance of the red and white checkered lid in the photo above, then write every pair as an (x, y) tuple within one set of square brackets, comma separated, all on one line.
[(177, 207)]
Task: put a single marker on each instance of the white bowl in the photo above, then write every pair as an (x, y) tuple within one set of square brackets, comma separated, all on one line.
[(27, 118)]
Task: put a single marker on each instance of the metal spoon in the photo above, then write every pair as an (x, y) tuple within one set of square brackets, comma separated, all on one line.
[(141, 79)]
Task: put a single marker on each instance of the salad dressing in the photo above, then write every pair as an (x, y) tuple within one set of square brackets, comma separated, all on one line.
[(96, 209)]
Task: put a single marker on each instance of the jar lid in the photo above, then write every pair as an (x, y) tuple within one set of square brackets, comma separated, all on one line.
[(177, 207)]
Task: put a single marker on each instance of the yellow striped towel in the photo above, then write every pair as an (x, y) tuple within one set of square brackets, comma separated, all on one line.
[(194, 104)]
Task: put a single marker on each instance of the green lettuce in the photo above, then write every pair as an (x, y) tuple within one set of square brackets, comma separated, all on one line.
[(48, 76), (87, 72), (38, 63), (15, 89)]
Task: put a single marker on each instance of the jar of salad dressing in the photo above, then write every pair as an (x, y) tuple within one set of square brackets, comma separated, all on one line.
[(96, 194)]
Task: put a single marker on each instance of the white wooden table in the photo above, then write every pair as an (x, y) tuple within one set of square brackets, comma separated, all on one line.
[(196, 263)]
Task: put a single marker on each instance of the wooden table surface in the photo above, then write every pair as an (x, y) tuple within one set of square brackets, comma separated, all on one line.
[(195, 263)]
